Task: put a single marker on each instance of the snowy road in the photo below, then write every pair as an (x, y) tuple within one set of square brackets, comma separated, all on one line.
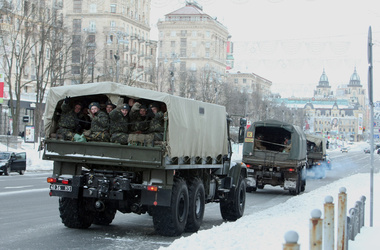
[(29, 218)]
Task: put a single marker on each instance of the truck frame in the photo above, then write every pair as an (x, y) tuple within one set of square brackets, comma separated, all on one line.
[(171, 180), (270, 161)]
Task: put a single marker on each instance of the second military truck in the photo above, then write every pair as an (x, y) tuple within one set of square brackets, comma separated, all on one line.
[(171, 180), (275, 154)]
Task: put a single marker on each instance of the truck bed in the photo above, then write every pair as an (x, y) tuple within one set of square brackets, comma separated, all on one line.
[(268, 158)]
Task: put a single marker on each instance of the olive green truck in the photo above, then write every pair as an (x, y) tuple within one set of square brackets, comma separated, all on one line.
[(275, 154), (171, 180)]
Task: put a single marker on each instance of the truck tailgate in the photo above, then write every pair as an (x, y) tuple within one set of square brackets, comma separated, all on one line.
[(103, 153), (270, 159)]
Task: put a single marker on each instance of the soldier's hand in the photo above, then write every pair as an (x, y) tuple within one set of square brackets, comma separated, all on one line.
[(90, 114), (136, 107)]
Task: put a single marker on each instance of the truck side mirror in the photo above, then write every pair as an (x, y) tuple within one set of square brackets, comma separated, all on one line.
[(243, 123)]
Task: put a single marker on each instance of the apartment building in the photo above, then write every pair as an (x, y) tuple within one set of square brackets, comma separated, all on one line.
[(192, 50), (110, 41)]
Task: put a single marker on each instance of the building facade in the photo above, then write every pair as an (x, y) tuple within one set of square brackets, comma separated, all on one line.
[(250, 82), (110, 41), (192, 51), (342, 116)]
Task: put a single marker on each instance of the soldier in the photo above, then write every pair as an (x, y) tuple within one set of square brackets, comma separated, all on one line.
[(110, 106), (139, 120), (99, 124), (68, 124), (119, 121), (156, 125)]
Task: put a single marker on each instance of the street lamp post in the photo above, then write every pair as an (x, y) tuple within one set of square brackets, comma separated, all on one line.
[(174, 59)]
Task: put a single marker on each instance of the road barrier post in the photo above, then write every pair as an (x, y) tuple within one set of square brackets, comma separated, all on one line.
[(328, 223), (316, 230), (291, 239), (342, 220)]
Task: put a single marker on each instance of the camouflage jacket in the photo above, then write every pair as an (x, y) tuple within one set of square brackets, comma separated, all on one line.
[(138, 122), (100, 122), (69, 119), (157, 123), (118, 122)]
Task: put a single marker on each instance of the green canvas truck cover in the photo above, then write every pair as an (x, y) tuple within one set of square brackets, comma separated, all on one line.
[(194, 128), (298, 138), (318, 141)]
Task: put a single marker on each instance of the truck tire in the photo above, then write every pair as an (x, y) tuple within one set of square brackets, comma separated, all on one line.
[(74, 214), (297, 190), (303, 179), (105, 217), (171, 221), (233, 209), (196, 205)]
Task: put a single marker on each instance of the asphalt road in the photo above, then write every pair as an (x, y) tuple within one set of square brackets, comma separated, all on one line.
[(29, 218)]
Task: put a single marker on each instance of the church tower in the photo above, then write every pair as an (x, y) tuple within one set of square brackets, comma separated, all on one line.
[(323, 88)]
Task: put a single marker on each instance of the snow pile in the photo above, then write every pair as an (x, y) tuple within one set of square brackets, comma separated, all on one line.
[(266, 229)]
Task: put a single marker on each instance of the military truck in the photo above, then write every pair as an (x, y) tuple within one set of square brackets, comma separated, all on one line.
[(316, 155), (171, 180), (272, 161)]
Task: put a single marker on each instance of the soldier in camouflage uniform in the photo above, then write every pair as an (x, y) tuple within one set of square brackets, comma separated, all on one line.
[(156, 125), (99, 124), (119, 121), (68, 124), (139, 120)]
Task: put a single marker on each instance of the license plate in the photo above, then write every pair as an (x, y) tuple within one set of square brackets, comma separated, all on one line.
[(63, 188)]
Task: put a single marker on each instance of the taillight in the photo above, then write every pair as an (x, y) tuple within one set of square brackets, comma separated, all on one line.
[(248, 165), (291, 170), (65, 182), (152, 188), (51, 180)]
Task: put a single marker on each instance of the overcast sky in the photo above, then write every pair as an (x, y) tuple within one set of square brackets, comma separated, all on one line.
[(290, 42)]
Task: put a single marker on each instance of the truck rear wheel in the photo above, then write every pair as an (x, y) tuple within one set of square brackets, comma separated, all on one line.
[(233, 209), (74, 214), (298, 188), (104, 217), (196, 205), (171, 221)]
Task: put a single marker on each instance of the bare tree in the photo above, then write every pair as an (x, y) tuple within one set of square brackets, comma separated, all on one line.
[(16, 43), (49, 57)]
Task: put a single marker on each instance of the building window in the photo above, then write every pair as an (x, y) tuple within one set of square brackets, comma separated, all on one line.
[(172, 44), (75, 70), (77, 6), (208, 33), (76, 41), (92, 26), (194, 44), (91, 39), (113, 24), (173, 33), (183, 42), (91, 56), (236, 81), (113, 8), (93, 8), (244, 80), (194, 33), (207, 54), (75, 56), (193, 54), (111, 54), (183, 52), (77, 25), (183, 32), (182, 66), (207, 44)]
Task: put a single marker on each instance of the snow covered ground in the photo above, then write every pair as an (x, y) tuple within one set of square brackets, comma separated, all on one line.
[(266, 229)]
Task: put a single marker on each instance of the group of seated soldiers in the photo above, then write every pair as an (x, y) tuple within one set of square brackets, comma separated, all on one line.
[(116, 123)]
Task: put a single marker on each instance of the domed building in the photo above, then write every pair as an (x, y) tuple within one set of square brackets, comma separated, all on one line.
[(323, 88)]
